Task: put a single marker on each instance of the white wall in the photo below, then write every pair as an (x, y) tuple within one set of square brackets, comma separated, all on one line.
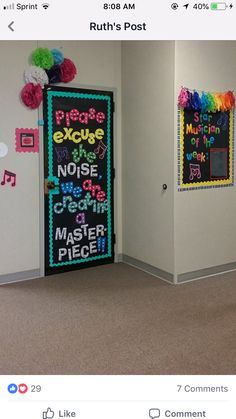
[(205, 220), (148, 156), (98, 64), (19, 220)]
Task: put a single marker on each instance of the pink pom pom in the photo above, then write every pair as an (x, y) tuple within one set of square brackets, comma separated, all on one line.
[(183, 98), (67, 71), (32, 95)]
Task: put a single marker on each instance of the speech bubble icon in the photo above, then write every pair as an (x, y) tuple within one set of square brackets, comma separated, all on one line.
[(154, 413)]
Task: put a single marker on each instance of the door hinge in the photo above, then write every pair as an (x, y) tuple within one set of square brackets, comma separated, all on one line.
[(114, 238), (113, 107), (114, 173), (41, 122)]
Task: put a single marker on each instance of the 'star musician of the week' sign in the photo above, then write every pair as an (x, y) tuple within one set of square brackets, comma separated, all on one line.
[(205, 152)]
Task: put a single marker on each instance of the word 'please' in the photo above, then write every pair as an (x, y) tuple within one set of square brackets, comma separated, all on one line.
[(75, 115)]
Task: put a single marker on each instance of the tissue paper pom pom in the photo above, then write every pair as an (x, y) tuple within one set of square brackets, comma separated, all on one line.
[(218, 101), (211, 103), (204, 102), (183, 98), (196, 102), (32, 95), (54, 74), (67, 70), (36, 75), (57, 56), (229, 100), (43, 58), (189, 105), (223, 103)]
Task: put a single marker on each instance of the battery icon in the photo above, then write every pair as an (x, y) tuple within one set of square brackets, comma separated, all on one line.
[(218, 6)]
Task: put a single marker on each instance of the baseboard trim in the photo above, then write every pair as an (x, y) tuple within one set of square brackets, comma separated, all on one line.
[(152, 270), (19, 276), (181, 278), (203, 273)]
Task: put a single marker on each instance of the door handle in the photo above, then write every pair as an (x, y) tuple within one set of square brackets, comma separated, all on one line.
[(48, 186)]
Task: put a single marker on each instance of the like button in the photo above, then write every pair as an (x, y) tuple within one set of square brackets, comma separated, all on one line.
[(48, 414)]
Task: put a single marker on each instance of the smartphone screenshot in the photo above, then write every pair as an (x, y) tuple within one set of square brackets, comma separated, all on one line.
[(117, 209)]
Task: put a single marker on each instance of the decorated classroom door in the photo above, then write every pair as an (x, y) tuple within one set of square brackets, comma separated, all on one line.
[(78, 159)]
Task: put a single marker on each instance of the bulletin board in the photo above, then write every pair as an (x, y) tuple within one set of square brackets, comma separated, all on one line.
[(78, 157), (205, 149)]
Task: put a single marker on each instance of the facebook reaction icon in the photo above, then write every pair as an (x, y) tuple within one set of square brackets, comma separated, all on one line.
[(12, 388)]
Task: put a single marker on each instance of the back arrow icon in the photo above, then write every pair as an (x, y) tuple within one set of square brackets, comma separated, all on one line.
[(10, 26), (186, 5)]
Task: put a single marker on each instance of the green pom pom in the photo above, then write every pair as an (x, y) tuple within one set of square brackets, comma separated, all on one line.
[(211, 103), (43, 58)]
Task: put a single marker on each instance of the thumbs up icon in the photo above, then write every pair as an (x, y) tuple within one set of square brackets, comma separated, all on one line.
[(49, 414)]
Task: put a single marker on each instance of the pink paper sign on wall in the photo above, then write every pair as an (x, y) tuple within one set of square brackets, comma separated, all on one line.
[(27, 140)]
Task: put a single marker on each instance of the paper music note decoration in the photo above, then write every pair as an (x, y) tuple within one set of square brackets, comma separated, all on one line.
[(195, 171), (223, 119), (9, 177), (62, 153), (101, 150)]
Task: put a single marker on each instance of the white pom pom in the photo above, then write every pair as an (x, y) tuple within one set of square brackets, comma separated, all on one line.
[(36, 75)]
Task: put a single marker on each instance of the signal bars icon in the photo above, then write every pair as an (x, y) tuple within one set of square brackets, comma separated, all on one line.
[(12, 6), (9, 7)]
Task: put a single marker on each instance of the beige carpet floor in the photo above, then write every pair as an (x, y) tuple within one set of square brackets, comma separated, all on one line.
[(116, 319)]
